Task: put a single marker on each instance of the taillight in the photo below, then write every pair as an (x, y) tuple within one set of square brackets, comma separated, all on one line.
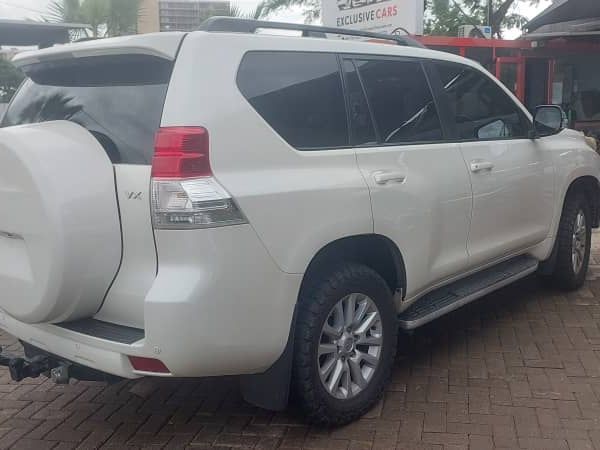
[(184, 192)]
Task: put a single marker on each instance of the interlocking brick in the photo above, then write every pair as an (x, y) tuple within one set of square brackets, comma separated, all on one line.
[(32, 444), (469, 428), (66, 434), (543, 444), (580, 444), (480, 442), (435, 420), (446, 438), (548, 418), (504, 436)]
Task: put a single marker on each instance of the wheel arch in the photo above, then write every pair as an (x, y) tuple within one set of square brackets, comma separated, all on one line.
[(270, 390), (375, 251), (590, 187)]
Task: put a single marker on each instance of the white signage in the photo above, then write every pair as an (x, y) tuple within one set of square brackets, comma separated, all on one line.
[(381, 16)]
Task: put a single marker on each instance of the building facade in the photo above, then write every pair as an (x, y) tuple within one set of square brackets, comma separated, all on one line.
[(178, 15)]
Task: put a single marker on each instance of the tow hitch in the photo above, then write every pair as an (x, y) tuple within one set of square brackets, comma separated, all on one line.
[(39, 362), (21, 368)]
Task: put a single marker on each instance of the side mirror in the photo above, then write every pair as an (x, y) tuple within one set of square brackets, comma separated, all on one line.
[(548, 120)]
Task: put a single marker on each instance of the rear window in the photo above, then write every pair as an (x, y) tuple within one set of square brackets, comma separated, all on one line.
[(299, 94), (119, 99)]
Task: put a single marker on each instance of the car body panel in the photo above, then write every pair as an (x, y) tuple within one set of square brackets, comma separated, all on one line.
[(513, 201), (427, 215)]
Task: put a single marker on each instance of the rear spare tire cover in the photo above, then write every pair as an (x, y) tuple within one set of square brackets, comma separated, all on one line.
[(60, 238)]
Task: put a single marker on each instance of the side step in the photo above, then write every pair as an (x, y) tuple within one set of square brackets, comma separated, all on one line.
[(448, 298)]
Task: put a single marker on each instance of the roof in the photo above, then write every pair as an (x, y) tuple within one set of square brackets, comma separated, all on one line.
[(573, 28), (565, 11), (25, 32)]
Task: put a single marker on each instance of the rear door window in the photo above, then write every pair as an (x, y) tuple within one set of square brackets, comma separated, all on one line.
[(400, 100), (299, 94), (119, 99), (362, 131)]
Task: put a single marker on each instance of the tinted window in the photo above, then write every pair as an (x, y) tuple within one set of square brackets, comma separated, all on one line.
[(401, 101), (299, 95), (361, 131), (479, 107), (118, 99)]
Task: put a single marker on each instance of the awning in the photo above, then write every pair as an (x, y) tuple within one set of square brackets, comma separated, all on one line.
[(25, 33), (564, 11), (585, 28)]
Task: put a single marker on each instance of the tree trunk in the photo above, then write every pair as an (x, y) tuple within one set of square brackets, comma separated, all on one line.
[(499, 15)]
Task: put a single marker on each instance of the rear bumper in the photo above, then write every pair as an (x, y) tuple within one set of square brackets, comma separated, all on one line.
[(218, 306), (81, 349)]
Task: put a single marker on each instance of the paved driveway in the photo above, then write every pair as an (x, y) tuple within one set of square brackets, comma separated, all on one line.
[(518, 369)]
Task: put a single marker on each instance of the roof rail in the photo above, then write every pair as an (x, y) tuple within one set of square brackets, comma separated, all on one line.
[(238, 25)]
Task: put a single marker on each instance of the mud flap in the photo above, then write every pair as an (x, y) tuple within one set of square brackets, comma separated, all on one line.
[(271, 389)]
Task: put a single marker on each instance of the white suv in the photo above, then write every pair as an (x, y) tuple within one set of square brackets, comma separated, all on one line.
[(225, 202)]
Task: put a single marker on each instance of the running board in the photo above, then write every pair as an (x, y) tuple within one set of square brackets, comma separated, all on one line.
[(448, 298)]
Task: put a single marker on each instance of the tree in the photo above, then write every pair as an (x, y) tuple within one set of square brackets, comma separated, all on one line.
[(443, 17), (106, 17), (10, 80), (95, 13), (256, 13), (64, 11), (312, 8), (122, 17)]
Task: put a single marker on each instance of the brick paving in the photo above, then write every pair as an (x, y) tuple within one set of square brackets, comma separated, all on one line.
[(518, 369)]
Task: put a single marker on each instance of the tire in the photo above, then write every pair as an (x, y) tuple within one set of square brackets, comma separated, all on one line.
[(346, 285), (567, 274)]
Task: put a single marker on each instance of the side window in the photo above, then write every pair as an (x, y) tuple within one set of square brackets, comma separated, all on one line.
[(299, 94), (361, 124), (480, 108), (401, 101)]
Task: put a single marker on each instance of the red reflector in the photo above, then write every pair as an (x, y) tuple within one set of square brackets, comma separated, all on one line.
[(148, 364), (181, 152)]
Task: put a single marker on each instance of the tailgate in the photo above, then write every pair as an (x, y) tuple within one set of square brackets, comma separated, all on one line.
[(115, 89)]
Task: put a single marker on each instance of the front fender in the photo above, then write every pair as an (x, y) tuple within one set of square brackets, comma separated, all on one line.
[(574, 160)]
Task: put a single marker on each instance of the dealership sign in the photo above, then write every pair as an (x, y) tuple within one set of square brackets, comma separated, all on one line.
[(382, 16)]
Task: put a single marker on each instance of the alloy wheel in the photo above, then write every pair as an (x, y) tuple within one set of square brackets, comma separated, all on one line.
[(350, 346), (579, 240)]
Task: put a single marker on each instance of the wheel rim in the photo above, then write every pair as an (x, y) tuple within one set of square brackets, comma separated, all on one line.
[(350, 346), (578, 242)]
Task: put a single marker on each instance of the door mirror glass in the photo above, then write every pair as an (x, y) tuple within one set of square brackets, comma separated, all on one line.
[(548, 120), (493, 130)]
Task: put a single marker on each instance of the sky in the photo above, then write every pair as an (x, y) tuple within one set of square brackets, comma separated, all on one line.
[(33, 9)]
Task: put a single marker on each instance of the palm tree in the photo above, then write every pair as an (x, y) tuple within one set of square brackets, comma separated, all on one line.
[(106, 17), (122, 17), (95, 12), (64, 11), (256, 13)]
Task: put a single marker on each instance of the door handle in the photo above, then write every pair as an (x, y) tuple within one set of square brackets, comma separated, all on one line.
[(480, 165), (384, 177)]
